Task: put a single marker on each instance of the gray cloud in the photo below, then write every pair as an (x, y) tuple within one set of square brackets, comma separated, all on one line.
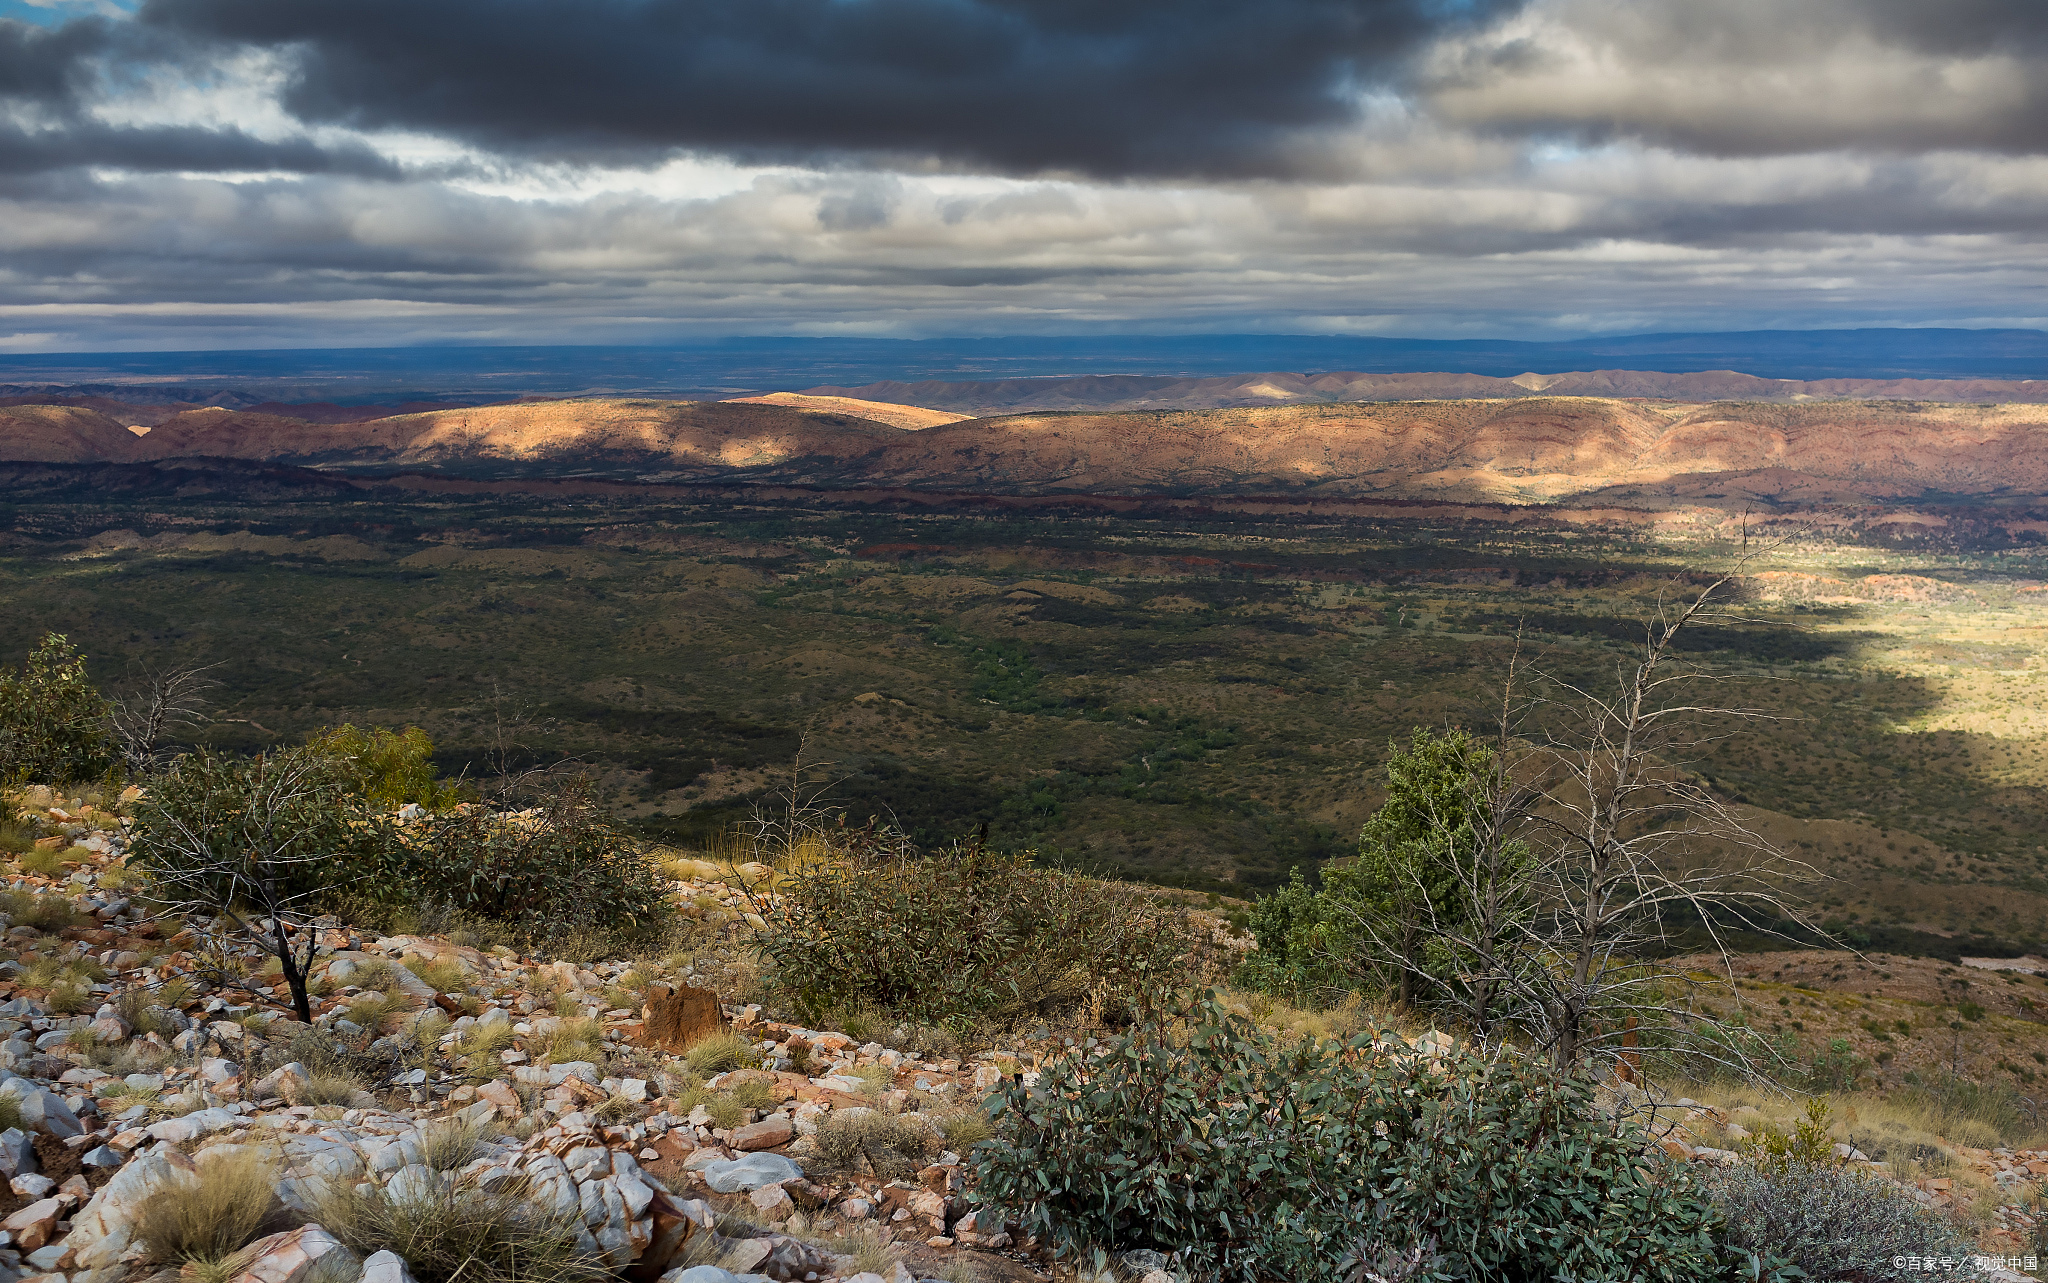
[(186, 262), (1755, 77), (541, 170), (1102, 87), (52, 79)]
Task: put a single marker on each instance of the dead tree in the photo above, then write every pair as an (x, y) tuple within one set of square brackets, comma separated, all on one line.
[(1587, 845), (163, 699)]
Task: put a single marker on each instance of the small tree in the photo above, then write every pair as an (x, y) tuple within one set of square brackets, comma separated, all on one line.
[(255, 843), (53, 722), (1404, 873)]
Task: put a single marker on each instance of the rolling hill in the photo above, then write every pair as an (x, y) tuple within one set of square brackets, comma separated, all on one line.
[(1525, 450)]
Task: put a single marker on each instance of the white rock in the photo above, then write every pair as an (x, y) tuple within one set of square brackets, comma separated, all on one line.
[(299, 1255), (102, 1230), (745, 1175), (712, 1274), (17, 1152), (43, 1111), (386, 1267)]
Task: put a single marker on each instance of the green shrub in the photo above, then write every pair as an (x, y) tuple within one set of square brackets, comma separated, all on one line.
[(214, 824), (1270, 1160), (55, 727), (387, 768), (1808, 1144), (560, 869), (16, 837), (964, 935), (1830, 1221), (554, 872)]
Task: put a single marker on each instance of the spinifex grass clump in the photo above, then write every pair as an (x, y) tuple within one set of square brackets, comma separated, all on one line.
[(455, 1230), (200, 1225), (1271, 1160)]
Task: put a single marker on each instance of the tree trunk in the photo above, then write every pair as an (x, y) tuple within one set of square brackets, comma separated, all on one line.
[(294, 974)]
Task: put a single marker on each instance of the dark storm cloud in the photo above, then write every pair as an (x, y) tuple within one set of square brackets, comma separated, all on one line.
[(1104, 87), (50, 68), (51, 78)]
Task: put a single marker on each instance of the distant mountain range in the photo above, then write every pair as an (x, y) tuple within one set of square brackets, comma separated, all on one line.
[(1137, 392), (1529, 449), (740, 366)]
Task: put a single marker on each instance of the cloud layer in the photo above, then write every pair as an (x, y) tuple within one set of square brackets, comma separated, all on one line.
[(242, 173)]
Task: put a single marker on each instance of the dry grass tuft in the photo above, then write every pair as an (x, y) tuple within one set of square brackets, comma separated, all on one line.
[(574, 1039), (722, 1052), (964, 1129), (461, 1232), (444, 974), (871, 1253), (205, 1223), (479, 1046)]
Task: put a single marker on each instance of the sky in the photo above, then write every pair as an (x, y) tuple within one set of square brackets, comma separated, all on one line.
[(189, 174)]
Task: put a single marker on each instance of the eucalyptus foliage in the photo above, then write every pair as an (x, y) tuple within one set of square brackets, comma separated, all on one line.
[(1261, 1159), (55, 725)]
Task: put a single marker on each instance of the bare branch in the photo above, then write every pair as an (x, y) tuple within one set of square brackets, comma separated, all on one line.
[(165, 698)]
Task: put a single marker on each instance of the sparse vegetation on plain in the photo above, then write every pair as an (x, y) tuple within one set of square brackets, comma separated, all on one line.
[(1009, 714)]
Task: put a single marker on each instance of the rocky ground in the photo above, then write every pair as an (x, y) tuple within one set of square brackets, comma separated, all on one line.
[(688, 1142), (130, 1054)]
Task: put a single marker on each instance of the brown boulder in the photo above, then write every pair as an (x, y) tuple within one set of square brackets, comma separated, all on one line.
[(33, 1225), (678, 1020), (767, 1134)]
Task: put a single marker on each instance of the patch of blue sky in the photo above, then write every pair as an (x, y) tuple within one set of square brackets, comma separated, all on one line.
[(55, 13)]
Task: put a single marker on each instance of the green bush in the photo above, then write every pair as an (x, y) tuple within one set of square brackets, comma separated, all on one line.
[(55, 727), (387, 768), (1830, 1221), (964, 935), (557, 870), (215, 823), (1370, 922), (1267, 1160)]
